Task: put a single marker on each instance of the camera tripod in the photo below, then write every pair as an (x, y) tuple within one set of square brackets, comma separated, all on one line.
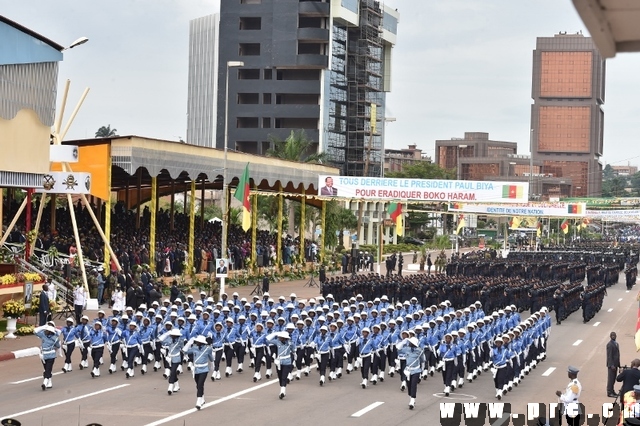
[(312, 282), (257, 290)]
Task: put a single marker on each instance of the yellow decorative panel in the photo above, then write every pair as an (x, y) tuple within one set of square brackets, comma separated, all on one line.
[(24, 143)]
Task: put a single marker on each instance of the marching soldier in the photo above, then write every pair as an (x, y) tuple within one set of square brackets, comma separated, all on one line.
[(174, 343), (285, 351), (448, 358), (202, 356), (414, 359), (98, 340), (50, 343), (69, 336)]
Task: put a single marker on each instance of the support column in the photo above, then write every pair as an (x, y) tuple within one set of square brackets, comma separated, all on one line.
[(107, 219), (202, 194), (173, 201), (279, 241), (254, 228), (1, 212), (27, 222), (303, 224), (53, 206), (323, 231), (43, 200), (76, 234), (192, 219), (138, 197), (152, 226), (186, 188)]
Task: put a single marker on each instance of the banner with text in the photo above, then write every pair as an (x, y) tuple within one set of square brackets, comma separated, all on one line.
[(559, 209), (614, 215), (422, 189)]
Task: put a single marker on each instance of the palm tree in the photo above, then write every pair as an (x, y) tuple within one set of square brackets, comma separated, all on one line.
[(106, 132), (297, 147)]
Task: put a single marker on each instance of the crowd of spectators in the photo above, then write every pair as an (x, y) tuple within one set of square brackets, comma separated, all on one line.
[(131, 243)]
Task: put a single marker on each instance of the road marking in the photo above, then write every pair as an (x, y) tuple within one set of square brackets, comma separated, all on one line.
[(577, 342), (33, 378), (610, 310), (620, 300), (367, 409), (212, 403), (548, 372), (216, 402), (44, 407), (596, 324)]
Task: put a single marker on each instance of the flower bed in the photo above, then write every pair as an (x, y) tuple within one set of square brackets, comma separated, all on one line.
[(17, 279)]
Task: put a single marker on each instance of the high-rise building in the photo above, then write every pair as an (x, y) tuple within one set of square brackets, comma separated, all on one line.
[(395, 160), (203, 62), (567, 120), (312, 65)]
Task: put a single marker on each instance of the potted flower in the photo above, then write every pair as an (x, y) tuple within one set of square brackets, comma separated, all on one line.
[(12, 310)]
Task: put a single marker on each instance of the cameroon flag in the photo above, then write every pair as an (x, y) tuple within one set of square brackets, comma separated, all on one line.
[(512, 191), (242, 194), (514, 223), (565, 226), (461, 223), (395, 211), (574, 209), (539, 228)]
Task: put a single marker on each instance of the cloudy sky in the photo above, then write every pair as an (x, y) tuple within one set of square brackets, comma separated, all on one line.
[(459, 65)]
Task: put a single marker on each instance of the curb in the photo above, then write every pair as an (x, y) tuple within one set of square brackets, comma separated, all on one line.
[(22, 353)]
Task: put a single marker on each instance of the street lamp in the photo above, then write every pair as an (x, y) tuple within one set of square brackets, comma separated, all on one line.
[(459, 172), (78, 42), (225, 185)]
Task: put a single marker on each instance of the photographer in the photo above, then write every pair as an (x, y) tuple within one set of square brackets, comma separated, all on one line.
[(629, 377)]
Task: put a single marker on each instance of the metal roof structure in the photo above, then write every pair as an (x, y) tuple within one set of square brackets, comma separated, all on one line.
[(613, 24), (136, 159)]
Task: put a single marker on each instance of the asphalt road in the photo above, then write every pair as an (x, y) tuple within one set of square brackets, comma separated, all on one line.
[(76, 398)]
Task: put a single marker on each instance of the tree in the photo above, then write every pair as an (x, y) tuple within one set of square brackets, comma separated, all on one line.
[(607, 172), (337, 219), (297, 147), (268, 210), (106, 132)]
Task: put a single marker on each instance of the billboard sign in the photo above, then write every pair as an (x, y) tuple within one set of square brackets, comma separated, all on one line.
[(374, 188)]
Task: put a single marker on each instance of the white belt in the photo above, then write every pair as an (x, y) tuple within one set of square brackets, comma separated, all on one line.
[(132, 346), (500, 366), (96, 346), (284, 357), (49, 351), (218, 349), (200, 365), (448, 359), (257, 346)]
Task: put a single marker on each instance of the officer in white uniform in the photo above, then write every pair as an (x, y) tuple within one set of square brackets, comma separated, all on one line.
[(571, 397)]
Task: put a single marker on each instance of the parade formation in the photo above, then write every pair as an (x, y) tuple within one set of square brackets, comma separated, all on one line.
[(458, 325)]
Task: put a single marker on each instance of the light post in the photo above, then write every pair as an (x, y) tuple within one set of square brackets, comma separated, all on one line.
[(225, 185), (78, 42)]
